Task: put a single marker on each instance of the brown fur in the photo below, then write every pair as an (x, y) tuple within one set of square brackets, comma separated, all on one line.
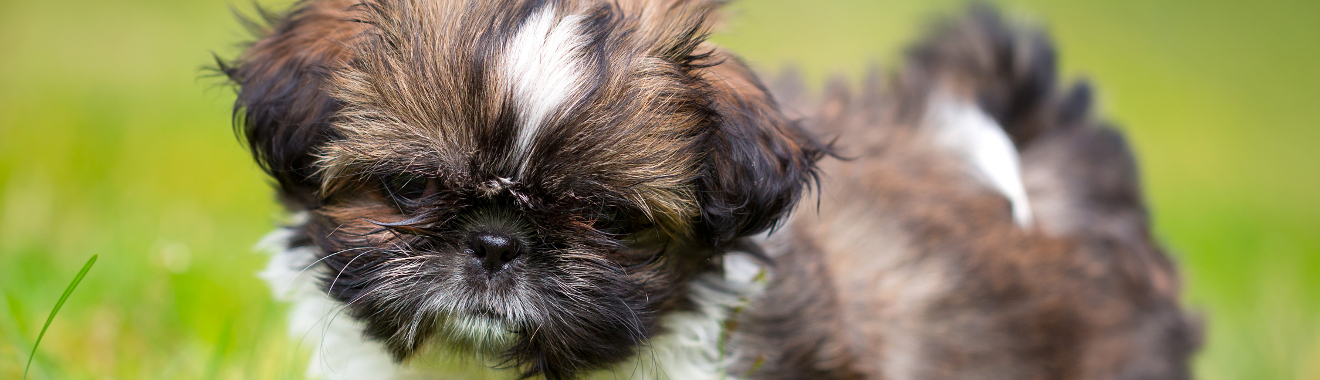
[(911, 269), (281, 107)]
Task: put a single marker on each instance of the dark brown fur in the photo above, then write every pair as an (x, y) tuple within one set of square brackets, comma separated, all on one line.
[(911, 269)]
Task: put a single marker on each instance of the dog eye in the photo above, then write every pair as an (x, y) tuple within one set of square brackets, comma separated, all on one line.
[(623, 224), (408, 188)]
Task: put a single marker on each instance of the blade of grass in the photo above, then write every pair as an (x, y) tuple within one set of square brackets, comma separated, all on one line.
[(67, 291)]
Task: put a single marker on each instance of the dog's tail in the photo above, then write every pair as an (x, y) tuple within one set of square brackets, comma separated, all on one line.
[(990, 90), (1009, 72), (987, 90)]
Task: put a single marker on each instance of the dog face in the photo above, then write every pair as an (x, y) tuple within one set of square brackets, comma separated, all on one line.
[(533, 181)]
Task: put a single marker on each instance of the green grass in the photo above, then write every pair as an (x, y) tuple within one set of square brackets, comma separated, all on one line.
[(55, 311), (112, 142)]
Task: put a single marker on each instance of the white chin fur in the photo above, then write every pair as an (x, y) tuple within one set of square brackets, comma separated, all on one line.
[(689, 350), (965, 129)]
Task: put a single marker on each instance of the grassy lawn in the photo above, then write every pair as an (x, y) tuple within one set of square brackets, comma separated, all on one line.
[(113, 141)]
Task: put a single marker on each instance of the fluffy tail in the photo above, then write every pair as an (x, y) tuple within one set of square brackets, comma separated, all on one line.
[(991, 92), (985, 90), (1008, 72)]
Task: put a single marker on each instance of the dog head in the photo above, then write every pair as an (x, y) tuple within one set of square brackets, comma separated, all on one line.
[(533, 181)]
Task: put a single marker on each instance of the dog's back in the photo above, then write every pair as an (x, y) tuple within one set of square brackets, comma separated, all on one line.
[(980, 224)]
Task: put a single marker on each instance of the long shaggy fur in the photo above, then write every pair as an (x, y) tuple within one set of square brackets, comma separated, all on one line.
[(618, 158)]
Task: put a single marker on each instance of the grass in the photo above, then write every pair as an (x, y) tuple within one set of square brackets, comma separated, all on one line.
[(56, 310), (113, 142)]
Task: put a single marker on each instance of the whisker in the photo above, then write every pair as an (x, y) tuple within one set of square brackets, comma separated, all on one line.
[(331, 288), (309, 266)]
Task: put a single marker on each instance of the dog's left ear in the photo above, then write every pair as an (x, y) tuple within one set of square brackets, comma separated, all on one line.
[(757, 161)]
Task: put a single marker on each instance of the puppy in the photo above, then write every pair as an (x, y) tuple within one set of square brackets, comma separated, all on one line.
[(578, 189)]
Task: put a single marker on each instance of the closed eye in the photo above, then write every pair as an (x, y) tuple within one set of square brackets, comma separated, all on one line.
[(408, 189)]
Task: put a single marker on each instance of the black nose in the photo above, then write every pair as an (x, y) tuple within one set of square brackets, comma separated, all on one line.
[(494, 249)]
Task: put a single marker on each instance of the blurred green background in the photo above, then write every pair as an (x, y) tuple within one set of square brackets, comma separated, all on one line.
[(113, 141)]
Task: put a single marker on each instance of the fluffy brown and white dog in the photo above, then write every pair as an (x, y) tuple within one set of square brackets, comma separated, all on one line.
[(580, 188)]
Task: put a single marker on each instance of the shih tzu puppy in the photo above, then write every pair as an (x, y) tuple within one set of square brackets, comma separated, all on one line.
[(582, 189)]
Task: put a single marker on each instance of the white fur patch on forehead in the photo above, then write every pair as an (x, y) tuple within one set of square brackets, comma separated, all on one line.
[(544, 66), (975, 137)]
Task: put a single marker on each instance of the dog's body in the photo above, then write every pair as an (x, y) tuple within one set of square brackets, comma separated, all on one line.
[(581, 189), (931, 268)]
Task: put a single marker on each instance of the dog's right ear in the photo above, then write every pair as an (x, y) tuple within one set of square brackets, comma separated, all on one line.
[(282, 110)]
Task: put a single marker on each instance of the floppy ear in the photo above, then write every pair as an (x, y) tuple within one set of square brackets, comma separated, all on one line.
[(281, 109), (757, 161)]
